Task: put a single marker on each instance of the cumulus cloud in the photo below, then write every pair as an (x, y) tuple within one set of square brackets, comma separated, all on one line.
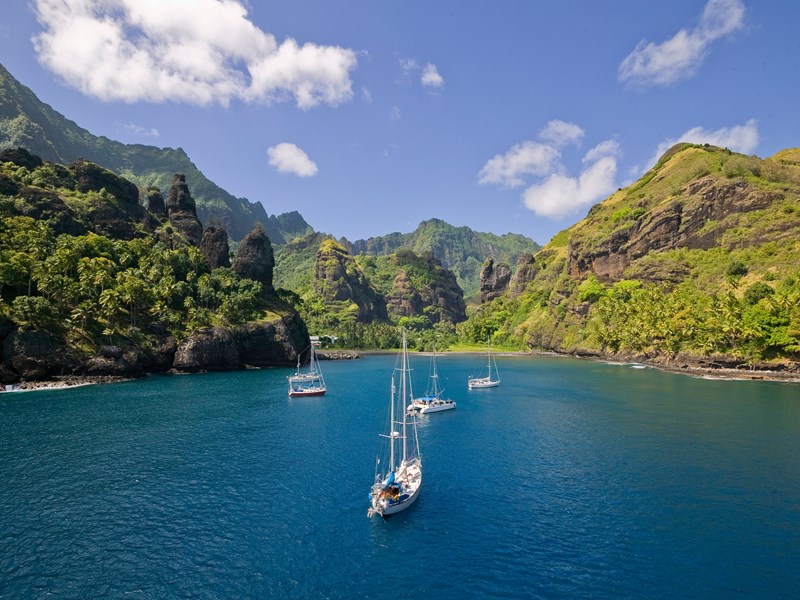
[(607, 148), (288, 158), (561, 195), (556, 194), (134, 129), (679, 57), (739, 138), (194, 51), (560, 133), (430, 77), (527, 158)]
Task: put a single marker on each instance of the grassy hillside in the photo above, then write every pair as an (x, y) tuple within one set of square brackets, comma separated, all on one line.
[(27, 122), (700, 256)]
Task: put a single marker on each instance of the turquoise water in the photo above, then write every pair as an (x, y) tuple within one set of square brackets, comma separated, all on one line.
[(571, 480)]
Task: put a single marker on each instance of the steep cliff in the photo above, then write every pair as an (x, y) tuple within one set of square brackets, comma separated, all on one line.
[(698, 257), (342, 286), (494, 280)]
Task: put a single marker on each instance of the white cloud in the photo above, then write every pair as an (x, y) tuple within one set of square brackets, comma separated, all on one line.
[(140, 131), (395, 113), (408, 64), (367, 95), (557, 194), (739, 138), (561, 195), (560, 133), (430, 77), (605, 148), (527, 158), (288, 158), (194, 51), (680, 56)]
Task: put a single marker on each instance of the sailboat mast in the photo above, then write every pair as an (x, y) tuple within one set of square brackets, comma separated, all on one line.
[(403, 394), (391, 431)]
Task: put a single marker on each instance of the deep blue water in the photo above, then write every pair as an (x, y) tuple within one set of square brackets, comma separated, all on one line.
[(572, 480)]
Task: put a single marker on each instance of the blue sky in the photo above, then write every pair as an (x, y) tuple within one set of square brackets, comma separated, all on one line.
[(368, 117)]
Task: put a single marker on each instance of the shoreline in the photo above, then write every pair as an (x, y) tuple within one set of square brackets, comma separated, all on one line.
[(63, 382), (688, 366)]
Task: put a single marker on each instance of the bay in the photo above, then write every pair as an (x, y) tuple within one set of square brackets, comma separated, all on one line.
[(572, 479)]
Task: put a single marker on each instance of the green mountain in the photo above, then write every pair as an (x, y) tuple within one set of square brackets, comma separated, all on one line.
[(460, 249), (698, 258), (28, 122), (94, 283)]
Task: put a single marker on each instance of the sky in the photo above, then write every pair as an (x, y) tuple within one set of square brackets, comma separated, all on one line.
[(369, 117)]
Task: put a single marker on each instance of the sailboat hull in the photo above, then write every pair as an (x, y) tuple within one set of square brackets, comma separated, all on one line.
[(392, 509), (303, 393), (474, 384)]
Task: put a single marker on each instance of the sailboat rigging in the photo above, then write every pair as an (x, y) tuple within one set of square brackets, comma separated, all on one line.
[(492, 379), (308, 382), (398, 487), (432, 401)]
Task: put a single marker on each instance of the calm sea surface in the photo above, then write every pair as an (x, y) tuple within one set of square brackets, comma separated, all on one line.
[(572, 480)]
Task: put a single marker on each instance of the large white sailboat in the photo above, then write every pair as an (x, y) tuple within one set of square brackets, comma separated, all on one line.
[(432, 401), (399, 478), (492, 379), (308, 382)]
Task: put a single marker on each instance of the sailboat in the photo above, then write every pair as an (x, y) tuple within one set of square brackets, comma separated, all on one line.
[(488, 381), (397, 487), (308, 382), (432, 401)]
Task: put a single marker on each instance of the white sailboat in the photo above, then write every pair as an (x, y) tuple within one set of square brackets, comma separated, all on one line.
[(432, 401), (396, 488), (308, 382), (492, 378)]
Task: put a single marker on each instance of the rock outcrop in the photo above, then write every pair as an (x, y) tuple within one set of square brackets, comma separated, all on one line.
[(182, 211), (154, 202), (494, 280), (256, 344), (524, 273), (403, 300), (338, 279), (215, 249), (255, 259), (679, 223), (35, 355)]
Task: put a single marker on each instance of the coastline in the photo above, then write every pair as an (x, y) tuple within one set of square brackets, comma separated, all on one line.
[(701, 368), (61, 383)]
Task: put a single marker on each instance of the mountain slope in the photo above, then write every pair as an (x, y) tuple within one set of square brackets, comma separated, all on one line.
[(26, 121), (460, 249), (698, 257)]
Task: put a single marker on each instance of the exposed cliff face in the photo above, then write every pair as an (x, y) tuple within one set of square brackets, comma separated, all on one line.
[(494, 280), (255, 259), (154, 202), (682, 222), (524, 273), (705, 236), (338, 279), (182, 211), (403, 300), (215, 248), (440, 296)]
